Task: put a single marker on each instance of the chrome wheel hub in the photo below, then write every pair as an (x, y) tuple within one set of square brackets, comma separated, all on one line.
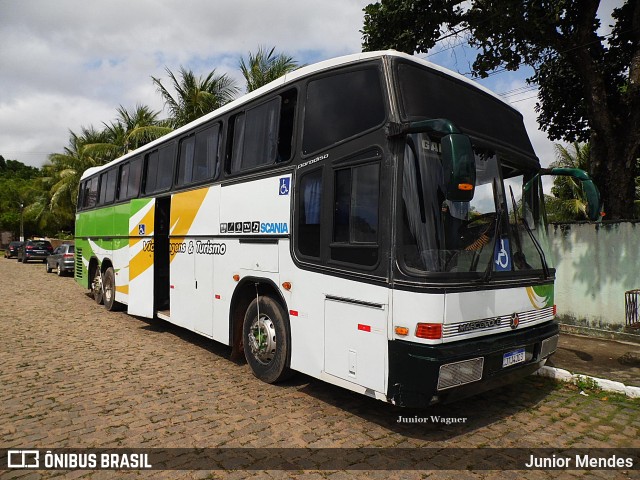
[(97, 283), (262, 339)]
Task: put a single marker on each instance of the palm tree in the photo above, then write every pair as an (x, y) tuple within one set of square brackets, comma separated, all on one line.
[(196, 96), (569, 202), (264, 67), (129, 131), (62, 174), (141, 126)]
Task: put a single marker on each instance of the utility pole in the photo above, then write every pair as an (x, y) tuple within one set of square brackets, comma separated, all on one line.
[(21, 222)]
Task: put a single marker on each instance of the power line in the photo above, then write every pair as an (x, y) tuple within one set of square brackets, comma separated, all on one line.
[(523, 99), (519, 91)]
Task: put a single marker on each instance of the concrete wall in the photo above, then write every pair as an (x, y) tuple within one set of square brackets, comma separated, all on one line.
[(596, 264)]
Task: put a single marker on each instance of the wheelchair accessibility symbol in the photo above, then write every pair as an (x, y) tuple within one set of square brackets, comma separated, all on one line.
[(141, 229), (502, 256), (284, 186)]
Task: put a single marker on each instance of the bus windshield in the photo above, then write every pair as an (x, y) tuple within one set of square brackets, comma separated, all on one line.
[(500, 230)]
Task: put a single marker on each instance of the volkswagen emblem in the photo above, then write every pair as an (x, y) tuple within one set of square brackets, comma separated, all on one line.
[(515, 321)]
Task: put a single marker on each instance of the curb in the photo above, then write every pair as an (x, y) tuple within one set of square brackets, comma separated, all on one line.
[(606, 385)]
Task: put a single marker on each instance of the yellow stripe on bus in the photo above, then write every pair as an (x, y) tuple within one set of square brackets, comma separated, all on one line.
[(184, 208), (138, 264)]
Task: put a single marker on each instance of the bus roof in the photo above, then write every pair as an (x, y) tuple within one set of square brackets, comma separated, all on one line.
[(288, 78)]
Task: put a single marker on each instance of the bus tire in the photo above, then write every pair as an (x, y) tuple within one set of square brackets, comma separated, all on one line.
[(109, 289), (96, 286), (266, 340)]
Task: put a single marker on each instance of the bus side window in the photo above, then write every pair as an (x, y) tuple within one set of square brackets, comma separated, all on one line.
[(185, 160), (255, 136), (237, 145), (124, 182), (355, 215), (103, 190), (206, 154), (199, 156), (159, 170), (107, 186), (91, 196), (287, 122), (80, 200), (110, 186), (341, 106), (309, 214), (135, 174)]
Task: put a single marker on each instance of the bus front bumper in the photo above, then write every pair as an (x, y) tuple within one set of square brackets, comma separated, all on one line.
[(421, 375)]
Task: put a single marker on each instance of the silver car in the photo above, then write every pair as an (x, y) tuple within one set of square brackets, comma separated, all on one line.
[(61, 260)]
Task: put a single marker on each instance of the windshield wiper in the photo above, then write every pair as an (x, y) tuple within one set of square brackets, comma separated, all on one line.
[(497, 231)]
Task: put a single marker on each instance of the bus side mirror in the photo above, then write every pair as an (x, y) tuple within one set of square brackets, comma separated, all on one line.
[(459, 167), (594, 202), (458, 159)]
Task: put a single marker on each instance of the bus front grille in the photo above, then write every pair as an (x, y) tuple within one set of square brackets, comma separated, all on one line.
[(501, 323)]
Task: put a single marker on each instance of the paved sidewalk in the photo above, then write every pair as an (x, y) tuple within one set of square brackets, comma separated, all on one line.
[(596, 357)]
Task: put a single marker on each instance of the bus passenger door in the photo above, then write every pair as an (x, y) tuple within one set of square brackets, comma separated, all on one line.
[(161, 255), (203, 294), (141, 257)]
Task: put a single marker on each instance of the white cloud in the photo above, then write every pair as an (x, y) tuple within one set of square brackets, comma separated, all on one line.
[(71, 63), (30, 136)]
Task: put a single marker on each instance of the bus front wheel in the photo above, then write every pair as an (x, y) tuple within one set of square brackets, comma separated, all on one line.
[(266, 340)]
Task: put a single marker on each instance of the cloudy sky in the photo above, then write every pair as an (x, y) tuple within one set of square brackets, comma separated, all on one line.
[(65, 64)]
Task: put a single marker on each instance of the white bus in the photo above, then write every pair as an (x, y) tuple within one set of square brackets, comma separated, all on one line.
[(373, 221)]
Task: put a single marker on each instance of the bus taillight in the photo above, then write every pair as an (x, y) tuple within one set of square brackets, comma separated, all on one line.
[(430, 331)]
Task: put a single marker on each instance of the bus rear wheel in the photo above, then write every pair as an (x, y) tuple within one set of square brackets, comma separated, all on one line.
[(96, 286), (266, 340)]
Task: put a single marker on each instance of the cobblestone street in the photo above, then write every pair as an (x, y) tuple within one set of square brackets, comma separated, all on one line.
[(74, 375)]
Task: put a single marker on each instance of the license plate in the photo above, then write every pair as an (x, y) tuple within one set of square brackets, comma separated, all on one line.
[(513, 357)]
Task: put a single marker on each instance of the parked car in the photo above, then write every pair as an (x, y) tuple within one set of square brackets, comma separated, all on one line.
[(12, 249), (61, 260), (34, 250)]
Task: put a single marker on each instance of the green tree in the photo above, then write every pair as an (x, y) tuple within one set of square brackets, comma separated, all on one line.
[(62, 176), (589, 86), (130, 130), (195, 96), (18, 189), (569, 202), (264, 67), (16, 169), (138, 127)]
